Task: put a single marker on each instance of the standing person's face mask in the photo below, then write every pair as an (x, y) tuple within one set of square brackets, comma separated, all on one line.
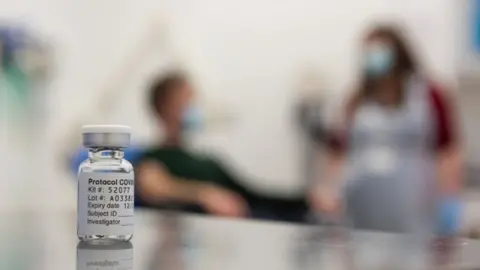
[(378, 60)]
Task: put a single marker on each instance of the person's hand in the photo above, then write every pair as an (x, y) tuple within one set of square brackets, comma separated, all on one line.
[(325, 200), (222, 202)]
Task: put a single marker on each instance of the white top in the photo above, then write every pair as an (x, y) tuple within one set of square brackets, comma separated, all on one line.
[(121, 129)]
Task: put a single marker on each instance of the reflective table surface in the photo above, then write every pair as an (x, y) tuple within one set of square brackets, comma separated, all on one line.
[(167, 240)]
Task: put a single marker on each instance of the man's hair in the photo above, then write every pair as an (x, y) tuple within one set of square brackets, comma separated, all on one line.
[(162, 88)]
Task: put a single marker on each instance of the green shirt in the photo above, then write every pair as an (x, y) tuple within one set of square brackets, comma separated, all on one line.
[(189, 166)]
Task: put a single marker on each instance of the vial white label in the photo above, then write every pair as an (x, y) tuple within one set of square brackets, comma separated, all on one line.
[(105, 203), (90, 259)]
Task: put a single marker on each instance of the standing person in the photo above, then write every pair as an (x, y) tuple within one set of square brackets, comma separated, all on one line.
[(168, 172), (397, 150)]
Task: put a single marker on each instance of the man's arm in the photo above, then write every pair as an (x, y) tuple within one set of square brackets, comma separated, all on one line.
[(155, 185)]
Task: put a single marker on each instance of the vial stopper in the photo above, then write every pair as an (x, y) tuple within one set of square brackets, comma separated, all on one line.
[(106, 136)]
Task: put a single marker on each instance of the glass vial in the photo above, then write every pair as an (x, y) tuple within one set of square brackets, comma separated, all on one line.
[(105, 204)]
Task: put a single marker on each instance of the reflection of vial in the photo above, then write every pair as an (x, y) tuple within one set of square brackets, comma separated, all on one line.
[(105, 186), (116, 256)]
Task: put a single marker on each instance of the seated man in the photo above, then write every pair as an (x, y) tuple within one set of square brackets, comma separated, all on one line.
[(169, 173)]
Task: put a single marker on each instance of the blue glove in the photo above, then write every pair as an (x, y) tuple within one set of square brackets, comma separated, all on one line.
[(448, 216)]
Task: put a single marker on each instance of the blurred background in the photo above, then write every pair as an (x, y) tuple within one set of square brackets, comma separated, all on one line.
[(70, 63)]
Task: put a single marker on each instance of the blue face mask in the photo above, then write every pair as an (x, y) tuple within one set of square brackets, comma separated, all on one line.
[(378, 60), (192, 119)]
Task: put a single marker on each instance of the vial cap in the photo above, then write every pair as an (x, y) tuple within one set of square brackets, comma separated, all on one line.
[(106, 135)]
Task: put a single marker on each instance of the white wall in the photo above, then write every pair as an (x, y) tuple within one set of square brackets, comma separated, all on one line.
[(250, 53), (21, 179), (247, 54)]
